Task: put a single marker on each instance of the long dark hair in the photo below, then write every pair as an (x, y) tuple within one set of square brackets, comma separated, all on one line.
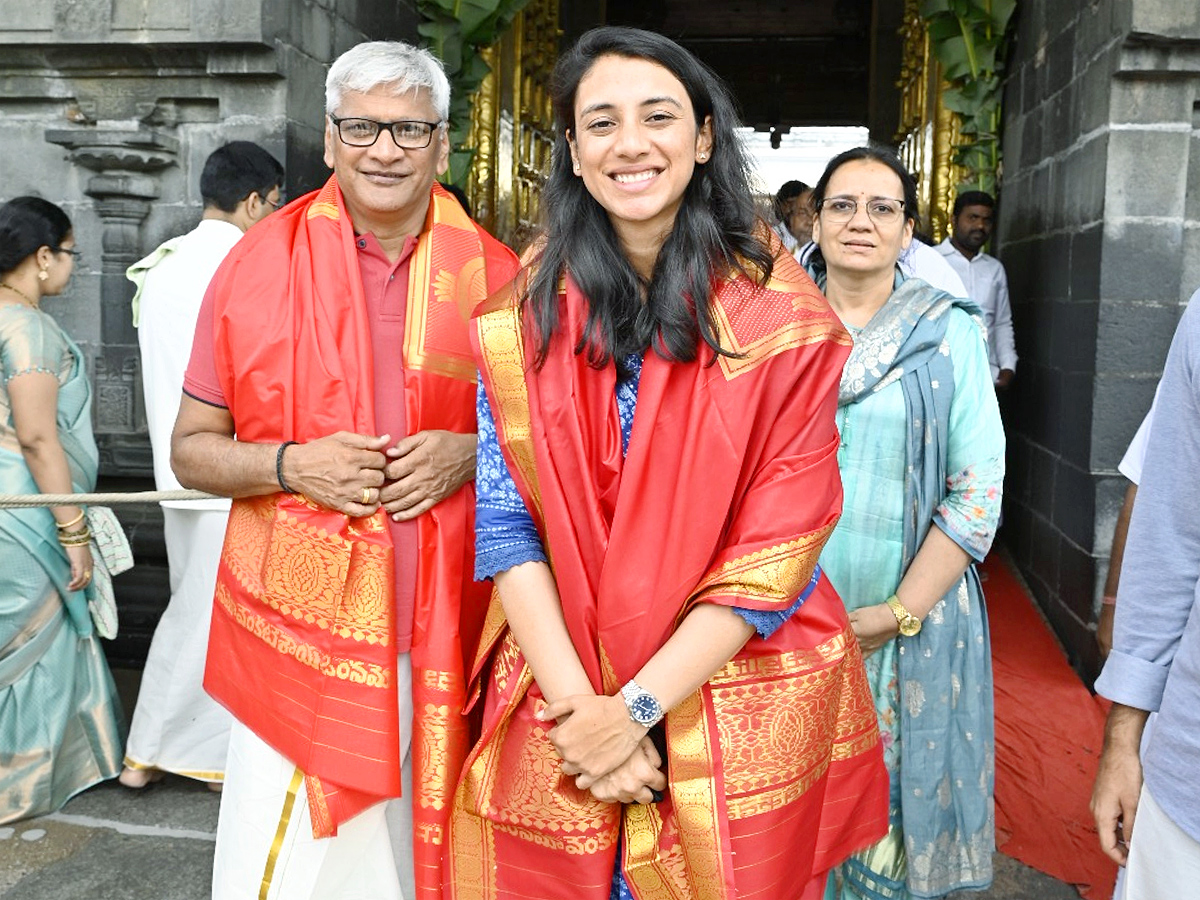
[(716, 228), (26, 225)]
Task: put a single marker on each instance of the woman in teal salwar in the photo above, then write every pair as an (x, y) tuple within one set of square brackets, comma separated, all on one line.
[(60, 720), (922, 464)]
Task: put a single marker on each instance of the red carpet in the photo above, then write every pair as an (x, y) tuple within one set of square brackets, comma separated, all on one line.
[(1049, 733)]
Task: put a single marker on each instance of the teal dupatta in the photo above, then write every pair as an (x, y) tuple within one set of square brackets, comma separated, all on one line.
[(947, 768)]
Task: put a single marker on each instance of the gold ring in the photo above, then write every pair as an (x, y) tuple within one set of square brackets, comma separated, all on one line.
[(366, 496), (87, 576)]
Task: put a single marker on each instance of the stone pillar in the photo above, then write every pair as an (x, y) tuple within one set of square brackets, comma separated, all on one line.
[(127, 165)]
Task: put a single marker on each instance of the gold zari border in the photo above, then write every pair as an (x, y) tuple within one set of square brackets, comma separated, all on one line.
[(790, 336), (501, 346), (352, 670), (773, 574)]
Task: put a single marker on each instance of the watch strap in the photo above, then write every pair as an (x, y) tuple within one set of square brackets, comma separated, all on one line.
[(644, 708), (904, 618)]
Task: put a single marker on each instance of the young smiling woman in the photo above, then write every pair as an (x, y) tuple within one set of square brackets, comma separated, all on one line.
[(680, 695)]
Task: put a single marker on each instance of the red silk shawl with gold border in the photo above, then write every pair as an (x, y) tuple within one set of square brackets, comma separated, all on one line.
[(302, 647), (728, 492)]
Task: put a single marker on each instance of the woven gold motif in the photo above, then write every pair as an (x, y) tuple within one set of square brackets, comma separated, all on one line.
[(434, 339), (654, 860), (438, 681), (536, 797), (774, 574), (782, 664), (342, 586), (758, 323), (775, 738), (694, 794), (857, 729), (435, 757), (247, 536), (353, 670), (494, 624), (472, 859), (508, 661), (463, 289), (573, 844), (782, 718)]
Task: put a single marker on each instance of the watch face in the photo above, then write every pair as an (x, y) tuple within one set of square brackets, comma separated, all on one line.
[(644, 709), (910, 625)]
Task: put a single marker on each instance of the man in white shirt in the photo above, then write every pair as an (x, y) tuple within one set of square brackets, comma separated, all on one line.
[(984, 278), (176, 726)]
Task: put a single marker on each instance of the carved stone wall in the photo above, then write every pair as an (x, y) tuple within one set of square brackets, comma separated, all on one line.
[(110, 108)]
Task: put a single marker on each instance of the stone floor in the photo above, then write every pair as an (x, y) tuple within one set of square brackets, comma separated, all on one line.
[(110, 843)]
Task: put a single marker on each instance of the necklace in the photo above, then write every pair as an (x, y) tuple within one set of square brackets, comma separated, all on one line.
[(24, 296)]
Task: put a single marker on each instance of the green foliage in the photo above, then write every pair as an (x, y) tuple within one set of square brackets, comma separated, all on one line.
[(456, 30), (968, 38)]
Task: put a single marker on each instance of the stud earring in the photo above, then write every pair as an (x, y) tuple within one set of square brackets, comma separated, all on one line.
[(43, 275), (702, 157)]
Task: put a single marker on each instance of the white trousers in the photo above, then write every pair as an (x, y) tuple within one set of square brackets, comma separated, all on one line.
[(176, 726), (1164, 860), (265, 847)]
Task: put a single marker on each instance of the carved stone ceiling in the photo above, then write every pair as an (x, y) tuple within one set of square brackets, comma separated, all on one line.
[(789, 62)]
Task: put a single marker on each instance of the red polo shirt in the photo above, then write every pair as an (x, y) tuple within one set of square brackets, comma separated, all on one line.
[(385, 287)]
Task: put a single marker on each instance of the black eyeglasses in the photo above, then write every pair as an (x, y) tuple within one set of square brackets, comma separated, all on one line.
[(409, 134), (75, 254)]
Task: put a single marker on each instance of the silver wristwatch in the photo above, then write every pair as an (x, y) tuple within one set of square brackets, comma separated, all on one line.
[(644, 707)]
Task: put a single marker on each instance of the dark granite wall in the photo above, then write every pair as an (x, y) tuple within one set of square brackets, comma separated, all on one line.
[(1098, 230)]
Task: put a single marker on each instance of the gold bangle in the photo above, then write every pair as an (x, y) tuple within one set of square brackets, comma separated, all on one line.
[(63, 526), (78, 539)]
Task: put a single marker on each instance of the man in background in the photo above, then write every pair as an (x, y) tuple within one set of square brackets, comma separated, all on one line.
[(984, 277), (793, 209), (176, 726)]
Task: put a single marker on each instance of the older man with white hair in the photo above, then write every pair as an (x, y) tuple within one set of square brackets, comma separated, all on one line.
[(333, 343)]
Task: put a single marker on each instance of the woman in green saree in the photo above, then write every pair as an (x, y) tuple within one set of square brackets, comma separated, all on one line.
[(60, 721), (922, 465)]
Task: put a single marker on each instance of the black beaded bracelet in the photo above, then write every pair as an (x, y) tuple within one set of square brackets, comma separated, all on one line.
[(279, 467)]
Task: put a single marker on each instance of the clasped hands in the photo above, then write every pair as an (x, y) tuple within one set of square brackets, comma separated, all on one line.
[(356, 474), (609, 754)]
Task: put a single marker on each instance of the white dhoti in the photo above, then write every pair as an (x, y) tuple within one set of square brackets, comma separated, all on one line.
[(1164, 860), (265, 846), (176, 726)]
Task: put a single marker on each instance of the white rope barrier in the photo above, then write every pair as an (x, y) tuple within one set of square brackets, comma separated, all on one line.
[(25, 501)]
